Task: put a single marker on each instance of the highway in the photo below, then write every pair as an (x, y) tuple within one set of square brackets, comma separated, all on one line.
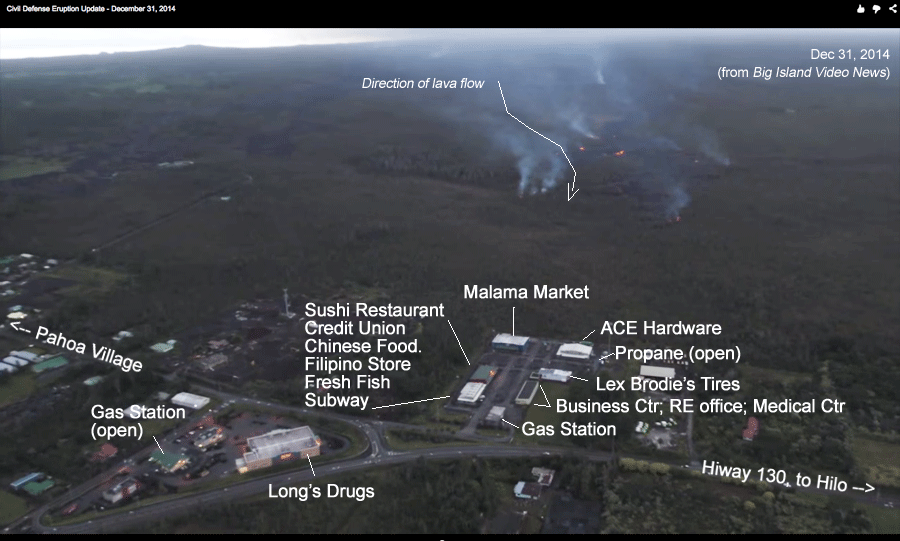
[(377, 454), (179, 506)]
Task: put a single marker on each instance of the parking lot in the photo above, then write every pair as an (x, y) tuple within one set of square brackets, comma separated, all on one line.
[(210, 444), (514, 368)]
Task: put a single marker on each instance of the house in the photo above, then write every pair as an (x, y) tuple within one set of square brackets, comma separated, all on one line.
[(544, 476), (527, 491), (752, 429)]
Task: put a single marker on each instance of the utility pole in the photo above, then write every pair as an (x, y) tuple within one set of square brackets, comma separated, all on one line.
[(287, 305)]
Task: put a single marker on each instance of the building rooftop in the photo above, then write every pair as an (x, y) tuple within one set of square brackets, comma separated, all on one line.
[(484, 373), (190, 400), (528, 490), (167, 460), (657, 371), (553, 373), (34, 488), (278, 442), (528, 389), (510, 339), (55, 362), (26, 479), (580, 351), (471, 391), (544, 476), (495, 414)]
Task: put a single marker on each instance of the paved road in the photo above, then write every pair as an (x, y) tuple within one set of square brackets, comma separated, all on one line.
[(227, 189), (378, 454), (179, 506)]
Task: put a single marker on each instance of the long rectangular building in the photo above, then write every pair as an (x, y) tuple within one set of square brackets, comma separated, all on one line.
[(508, 342), (471, 392), (15, 361), (574, 351), (27, 355), (552, 374), (189, 400), (526, 394), (279, 446), (648, 371)]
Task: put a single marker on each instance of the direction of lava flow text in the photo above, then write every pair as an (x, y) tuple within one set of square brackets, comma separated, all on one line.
[(569, 188)]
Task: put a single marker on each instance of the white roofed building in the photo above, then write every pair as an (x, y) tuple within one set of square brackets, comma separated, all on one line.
[(15, 361), (552, 374), (471, 392), (575, 351), (495, 416), (189, 400), (278, 446), (509, 342), (648, 371), (7, 368), (27, 355)]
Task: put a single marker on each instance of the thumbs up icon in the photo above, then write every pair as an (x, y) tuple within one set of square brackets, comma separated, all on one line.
[(860, 9)]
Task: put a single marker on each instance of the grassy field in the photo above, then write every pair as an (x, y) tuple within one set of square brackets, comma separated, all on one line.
[(11, 507), (18, 386), (546, 416), (90, 280), (878, 461)]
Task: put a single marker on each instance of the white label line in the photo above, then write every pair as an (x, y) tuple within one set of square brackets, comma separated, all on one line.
[(590, 333), (310, 465), (413, 402), (605, 356), (507, 422), (458, 342), (158, 445), (576, 377), (545, 396), (542, 135)]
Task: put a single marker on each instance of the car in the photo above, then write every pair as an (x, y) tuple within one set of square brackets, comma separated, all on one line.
[(70, 509)]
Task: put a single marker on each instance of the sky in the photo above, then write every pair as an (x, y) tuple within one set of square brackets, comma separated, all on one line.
[(39, 42), (54, 42)]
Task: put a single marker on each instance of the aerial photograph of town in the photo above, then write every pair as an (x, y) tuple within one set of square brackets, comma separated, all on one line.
[(364, 281)]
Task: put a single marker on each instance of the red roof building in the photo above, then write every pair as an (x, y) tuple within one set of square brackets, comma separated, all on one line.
[(752, 429)]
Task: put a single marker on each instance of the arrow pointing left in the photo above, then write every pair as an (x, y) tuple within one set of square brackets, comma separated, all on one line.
[(15, 325)]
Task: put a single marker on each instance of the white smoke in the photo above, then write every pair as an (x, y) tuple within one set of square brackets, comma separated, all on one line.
[(526, 166), (709, 146), (556, 166), (578, 123), (663, 143), (678, 199)]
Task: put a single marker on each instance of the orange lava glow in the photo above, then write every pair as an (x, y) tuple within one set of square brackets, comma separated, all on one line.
[(620, 153)]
